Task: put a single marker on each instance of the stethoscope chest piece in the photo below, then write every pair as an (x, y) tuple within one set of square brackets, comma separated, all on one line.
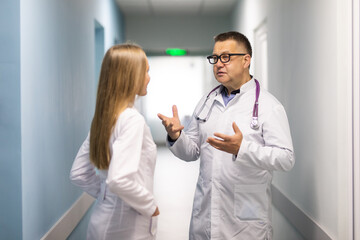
[(254, 123)]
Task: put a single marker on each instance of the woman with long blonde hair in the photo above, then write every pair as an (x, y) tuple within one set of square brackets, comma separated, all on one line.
[(116, 162)]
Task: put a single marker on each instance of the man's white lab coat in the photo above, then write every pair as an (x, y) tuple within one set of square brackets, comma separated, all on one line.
[(233, 194)]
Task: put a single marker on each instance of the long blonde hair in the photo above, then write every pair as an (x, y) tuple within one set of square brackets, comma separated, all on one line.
[(122, 76)]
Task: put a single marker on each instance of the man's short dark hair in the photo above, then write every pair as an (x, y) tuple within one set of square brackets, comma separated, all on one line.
[(240, 38)]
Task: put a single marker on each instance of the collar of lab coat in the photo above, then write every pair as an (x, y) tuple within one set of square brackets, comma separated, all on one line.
[(243, 89), (247, 86)]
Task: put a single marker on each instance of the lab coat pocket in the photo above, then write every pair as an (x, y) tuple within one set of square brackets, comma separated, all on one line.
[(153, 225), (250, 202)]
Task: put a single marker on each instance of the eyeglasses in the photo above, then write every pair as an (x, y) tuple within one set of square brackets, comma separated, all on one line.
[(224, 58)]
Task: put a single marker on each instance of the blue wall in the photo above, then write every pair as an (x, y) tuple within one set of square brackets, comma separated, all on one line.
[(57, 99), (10, 120), (47, 97)]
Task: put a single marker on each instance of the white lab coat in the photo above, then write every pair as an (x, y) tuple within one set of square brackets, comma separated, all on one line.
[(124, 192), (233, 195)]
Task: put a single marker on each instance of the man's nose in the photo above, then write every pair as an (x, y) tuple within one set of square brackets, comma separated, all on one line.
[(219, 64)]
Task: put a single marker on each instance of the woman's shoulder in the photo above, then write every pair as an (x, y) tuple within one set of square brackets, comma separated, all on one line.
[(130, 115), (129, 119)]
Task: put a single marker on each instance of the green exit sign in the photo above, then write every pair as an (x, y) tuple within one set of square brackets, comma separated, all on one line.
[(176, 52)]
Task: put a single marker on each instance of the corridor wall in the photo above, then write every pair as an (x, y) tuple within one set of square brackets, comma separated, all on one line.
[(10, 121), (309, 63), (50, 88)]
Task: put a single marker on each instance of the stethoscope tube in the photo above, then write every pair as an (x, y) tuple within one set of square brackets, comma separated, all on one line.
[(202, 107), (254, 121)]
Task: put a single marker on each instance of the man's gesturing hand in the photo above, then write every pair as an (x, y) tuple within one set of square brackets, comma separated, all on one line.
[(227, 143), (172, 125)]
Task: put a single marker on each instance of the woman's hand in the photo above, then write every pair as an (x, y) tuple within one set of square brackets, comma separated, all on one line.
[(156, 213)]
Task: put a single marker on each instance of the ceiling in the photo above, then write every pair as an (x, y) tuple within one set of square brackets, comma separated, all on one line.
[(176, 7)]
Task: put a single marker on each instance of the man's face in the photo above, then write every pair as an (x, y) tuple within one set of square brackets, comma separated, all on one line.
[(230, 74)]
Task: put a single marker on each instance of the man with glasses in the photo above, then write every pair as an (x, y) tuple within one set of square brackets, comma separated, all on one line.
[(237, 155)]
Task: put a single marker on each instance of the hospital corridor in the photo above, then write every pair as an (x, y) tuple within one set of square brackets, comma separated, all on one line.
[(301, 103)]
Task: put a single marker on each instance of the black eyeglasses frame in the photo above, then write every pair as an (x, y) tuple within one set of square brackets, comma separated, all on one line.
[(224, 54)]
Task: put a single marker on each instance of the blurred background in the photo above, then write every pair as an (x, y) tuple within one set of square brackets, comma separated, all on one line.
[(306, 53)]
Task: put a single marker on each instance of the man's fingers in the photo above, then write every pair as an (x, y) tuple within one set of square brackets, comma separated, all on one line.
[(162, 117), (178, 129), (216, 145), (222, 136), (171, 127), (165, 123), (236, 128), (215, 142), (165, 120), (175, 111)]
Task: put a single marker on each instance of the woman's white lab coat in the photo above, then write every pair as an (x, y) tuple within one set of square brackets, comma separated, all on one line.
[(233, 195), (124, 192)]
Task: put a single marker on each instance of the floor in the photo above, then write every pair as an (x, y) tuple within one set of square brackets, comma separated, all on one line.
[(174, 188)]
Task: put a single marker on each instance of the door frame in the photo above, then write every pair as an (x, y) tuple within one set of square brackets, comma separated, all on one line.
[(356, 116)]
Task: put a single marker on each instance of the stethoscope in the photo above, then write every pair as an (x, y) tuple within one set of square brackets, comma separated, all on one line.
[(254, 122)]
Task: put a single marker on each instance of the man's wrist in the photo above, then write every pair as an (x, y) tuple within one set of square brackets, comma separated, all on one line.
[(170, 139)]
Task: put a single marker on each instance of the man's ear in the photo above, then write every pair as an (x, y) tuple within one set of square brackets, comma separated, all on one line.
[(247, 61)]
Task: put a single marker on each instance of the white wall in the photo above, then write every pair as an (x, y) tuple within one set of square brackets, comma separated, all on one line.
[(309, 46)]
